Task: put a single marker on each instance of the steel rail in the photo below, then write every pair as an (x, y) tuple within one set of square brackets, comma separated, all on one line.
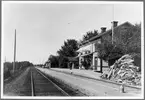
[(32, 84), (65, 93)]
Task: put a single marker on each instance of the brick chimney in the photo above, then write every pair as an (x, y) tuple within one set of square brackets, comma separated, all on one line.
[(114, 23), (103, 29)]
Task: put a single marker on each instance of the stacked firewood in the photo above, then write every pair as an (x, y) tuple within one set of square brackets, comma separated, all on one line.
[(124, 71)]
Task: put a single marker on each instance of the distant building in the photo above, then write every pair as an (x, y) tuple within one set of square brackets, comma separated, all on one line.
[(88, 48)]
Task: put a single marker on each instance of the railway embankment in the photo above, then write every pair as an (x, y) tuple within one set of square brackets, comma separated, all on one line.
[(13, 87)]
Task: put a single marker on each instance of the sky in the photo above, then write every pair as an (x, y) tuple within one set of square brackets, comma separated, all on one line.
[(42, 27)]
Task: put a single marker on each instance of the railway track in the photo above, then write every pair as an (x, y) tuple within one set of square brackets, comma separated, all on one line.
[(41, 85)]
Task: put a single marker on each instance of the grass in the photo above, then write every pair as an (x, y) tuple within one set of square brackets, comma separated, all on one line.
[(14, 75)]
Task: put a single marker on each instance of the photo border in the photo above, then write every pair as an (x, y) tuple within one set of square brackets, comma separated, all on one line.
[(68, 2)]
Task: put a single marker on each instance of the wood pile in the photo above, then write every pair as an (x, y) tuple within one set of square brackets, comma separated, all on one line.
[(124, 71)]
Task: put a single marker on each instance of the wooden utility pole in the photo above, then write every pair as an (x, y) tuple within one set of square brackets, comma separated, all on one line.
[(112, 23), (14, 52), (112, 32)]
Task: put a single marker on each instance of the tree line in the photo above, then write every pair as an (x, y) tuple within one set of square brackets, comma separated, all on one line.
[(8, 67)]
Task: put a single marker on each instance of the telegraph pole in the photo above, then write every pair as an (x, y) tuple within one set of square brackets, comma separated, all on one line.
[(14, 52), (112, 23)]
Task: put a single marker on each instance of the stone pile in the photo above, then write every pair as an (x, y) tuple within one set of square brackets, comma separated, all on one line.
[(124, 71)]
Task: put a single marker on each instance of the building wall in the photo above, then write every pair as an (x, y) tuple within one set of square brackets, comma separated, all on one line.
[(92, 45)]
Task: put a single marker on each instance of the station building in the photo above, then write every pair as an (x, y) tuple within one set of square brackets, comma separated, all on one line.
[(88, 49)]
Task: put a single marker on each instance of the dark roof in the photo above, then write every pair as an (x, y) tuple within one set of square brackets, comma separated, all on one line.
[(101, 34)]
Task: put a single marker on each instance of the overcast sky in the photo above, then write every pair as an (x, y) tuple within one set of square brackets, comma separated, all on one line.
[(43, 27)]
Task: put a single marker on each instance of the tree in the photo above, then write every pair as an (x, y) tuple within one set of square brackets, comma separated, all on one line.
[(130, 39), (89, 35), (54, 60), (128, 42), (67, 50)]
